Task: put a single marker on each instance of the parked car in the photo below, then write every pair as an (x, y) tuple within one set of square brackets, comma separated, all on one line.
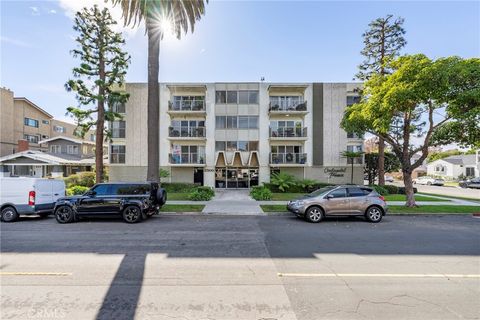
[(132, 201), (470, 183), (347, 200), (28, 196), (429, 181), (389, 179)]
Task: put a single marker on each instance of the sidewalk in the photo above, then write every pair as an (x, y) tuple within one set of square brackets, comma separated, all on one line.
[(234, 202)]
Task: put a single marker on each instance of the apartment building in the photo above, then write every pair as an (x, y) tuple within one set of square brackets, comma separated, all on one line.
[(235, 135), (22, 120)]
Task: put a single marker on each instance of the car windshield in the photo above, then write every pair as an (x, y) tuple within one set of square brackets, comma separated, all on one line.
[(320, 191)]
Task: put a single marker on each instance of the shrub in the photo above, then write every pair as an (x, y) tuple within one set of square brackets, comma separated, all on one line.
[(380, 189), (297, 188), (261, 193), (179, 187), (391, 189), (201, 194), (307, 184), (401, 190), (76, 190), (283, 181), (85, 179)]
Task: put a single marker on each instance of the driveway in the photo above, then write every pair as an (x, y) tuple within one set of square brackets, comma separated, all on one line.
[(242, 267)]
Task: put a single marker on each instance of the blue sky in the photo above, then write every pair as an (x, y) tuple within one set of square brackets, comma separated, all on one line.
[(235, 41)]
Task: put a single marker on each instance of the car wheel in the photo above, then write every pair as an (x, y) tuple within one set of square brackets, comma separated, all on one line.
[(64, 214), (429, 183), (374, 214), (9, 214), (132, 214), (314, 214)]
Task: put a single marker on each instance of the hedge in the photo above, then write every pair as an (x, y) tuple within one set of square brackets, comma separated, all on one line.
[(179, 187), (261, 193), (297, 188)]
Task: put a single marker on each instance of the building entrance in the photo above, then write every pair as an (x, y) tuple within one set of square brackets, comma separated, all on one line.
[(236, 178)]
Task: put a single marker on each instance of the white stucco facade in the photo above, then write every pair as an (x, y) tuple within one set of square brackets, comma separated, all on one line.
[(454, 166), (239, 133)]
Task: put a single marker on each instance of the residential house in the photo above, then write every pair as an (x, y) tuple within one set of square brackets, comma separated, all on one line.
[(453, 167)]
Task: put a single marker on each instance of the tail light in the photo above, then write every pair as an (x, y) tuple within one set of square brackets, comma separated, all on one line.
[(382, 198), (31, 198)]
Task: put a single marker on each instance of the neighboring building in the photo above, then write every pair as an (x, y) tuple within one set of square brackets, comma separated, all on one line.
[(22, 120), (234, 135), (64, 156), (454, 166)]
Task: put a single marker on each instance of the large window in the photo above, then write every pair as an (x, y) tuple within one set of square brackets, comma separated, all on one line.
[(31, 138), (187, 128), (31, 122), (118, 129), (45, 122), (59, 129), (291, 128), (72, 149), (236, 146), (187, 103), (352, 100), (236, 96), (287, 103), (118, 107), (55, 149), (287, 154), (117, 154), (470, 172), (236, 122), (187, 154)]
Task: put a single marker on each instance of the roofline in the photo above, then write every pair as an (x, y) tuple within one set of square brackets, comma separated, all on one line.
[(33, 105), (79, 141)]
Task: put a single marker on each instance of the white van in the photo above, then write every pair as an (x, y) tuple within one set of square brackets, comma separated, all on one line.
[(24, 195)]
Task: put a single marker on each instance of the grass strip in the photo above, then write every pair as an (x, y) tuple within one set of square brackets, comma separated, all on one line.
[(452, 197), (177, 196), (402, 197), (286, 196), (182, 208)]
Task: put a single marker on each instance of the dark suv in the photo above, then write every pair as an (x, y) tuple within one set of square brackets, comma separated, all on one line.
[(133, 201)]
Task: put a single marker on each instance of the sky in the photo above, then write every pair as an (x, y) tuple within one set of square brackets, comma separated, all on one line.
[(283, 41)]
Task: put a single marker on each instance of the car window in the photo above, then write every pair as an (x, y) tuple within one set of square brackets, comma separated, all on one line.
[(319, 191), (132, 189), (367, 191), (339, 193), (102, 189), (355, 192)]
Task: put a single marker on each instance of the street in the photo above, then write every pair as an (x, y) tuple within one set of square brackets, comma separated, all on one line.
[(242, 267)]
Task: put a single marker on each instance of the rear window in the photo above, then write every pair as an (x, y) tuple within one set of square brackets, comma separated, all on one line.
[(357, 192), (131, 189)]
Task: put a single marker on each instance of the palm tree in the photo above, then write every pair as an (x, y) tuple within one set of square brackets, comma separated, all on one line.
[(181, 16), (351, 155)]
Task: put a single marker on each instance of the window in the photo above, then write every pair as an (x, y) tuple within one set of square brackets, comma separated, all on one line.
[(242, 145), (117, 154), (355, 192), (231, 146), (45, 121), (44, 136), (231, 122), (92, 137), (59, 129), (352, 100), (351, 135), (130, 189), (102, 189), (220, 122), (72, 149), (232, 97), (236, 145), (118, 107), (118, 129), (221, 97), (339, 193), (253, 122), (55, 149), (31, 122), (243, 97), (219, 145), (253, 97), (31, 138), (85, 149), (470, 172), (243, 122)]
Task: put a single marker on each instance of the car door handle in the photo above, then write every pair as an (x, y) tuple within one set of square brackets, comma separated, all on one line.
[(56, 194)]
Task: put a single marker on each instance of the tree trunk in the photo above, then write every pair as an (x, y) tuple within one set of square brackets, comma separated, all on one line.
[(100, 123), (351, 175), (381, 162), (153, 106), (407, 181)]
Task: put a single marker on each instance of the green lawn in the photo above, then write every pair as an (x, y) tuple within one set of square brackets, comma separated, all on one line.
[(431, 209), (402, 197), (182, 208), (177, 196)]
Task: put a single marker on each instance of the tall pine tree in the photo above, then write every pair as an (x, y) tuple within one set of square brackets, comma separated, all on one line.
[(382, 44), (103, 65)]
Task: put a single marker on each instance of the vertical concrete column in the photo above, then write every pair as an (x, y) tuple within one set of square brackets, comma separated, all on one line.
[(209, 170), (263, 132)]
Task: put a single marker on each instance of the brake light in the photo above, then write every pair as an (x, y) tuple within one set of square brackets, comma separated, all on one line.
[(382, 198), (31, 198)]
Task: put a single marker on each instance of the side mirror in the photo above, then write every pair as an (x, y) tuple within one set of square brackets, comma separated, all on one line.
[(329, 196), (90, 193)]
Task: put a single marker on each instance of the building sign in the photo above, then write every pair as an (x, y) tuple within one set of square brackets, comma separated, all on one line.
[(335, 172)]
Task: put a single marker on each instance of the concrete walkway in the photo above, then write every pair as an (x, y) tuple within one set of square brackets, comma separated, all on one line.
[(235, 202)]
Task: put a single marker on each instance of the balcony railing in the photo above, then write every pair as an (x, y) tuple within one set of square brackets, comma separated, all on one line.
[(186, 132), (288, 158), (285, 106), (186, 158), (288, 132), (186, 105)]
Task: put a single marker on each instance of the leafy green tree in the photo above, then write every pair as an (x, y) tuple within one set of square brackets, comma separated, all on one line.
[(382, 44), (351, 156), (371, 165), (103, 65), (181, 15), (415, 101)]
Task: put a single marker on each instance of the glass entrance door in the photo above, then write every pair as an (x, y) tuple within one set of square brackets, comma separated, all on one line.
[(236, 178)]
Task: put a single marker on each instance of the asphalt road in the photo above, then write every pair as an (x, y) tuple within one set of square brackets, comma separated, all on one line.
[(242, 267)]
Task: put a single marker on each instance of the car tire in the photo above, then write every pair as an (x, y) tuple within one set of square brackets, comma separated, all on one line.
[(9, 214), (64, 214), (374, 214), (132, 214), (429, 183), (314, 214)]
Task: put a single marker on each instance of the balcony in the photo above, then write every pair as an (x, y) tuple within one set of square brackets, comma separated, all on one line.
[(186, 133), (287, 107), (288, 159), (186, 159), (288, 133), (189, 107)]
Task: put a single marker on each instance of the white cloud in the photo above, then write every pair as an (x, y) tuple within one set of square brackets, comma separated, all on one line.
[(52, 11), (15, 42), (71, 7), (203, 50), (35, 11)]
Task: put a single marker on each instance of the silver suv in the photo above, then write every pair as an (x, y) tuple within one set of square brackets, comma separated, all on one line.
[(346, 200)]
